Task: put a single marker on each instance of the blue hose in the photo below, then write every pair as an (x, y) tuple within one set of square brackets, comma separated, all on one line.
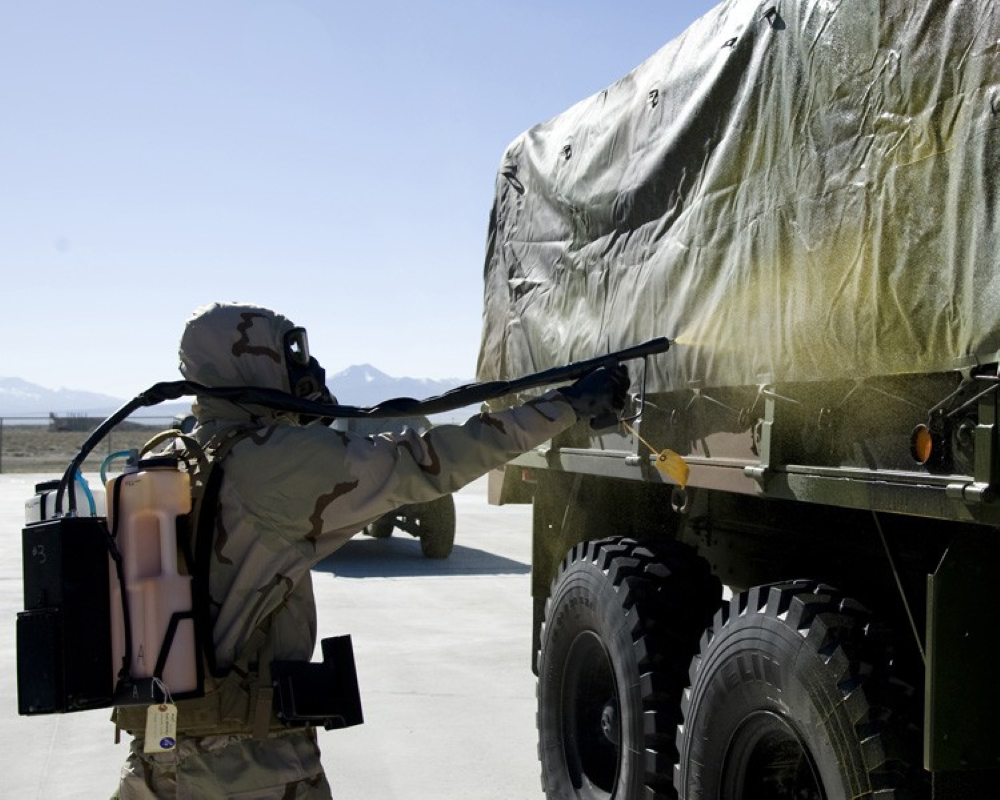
[(87, 493), (108, 460)]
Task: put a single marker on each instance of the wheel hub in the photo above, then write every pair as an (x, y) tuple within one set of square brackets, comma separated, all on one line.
[(590, 722), (768, 759), (609, 722)]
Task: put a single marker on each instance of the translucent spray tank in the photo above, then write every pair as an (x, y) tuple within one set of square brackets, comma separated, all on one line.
[(147, 500), (41, 505)]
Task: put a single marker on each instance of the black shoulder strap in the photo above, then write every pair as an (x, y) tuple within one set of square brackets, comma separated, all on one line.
[(204, 513), (204, 535)]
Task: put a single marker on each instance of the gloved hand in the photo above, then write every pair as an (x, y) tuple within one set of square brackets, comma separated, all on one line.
[(599, 395)]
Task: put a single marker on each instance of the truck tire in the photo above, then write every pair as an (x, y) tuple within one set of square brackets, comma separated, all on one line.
[(620, 628), (793, 696), (380, 528), (436, 525)]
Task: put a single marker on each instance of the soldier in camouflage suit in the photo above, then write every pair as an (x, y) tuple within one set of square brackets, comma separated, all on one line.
[(292, 494)]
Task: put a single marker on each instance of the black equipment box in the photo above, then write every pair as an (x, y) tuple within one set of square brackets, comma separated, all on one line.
[(319, 694), (64, 633)]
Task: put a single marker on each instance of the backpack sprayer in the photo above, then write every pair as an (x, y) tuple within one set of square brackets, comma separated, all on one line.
[(109, 613)]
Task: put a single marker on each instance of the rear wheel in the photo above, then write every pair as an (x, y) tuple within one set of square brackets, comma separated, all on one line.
[(434, 524), (380, 528), (620, 627), (794, 696)]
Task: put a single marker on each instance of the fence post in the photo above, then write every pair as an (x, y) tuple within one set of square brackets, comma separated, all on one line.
[(1, 444)]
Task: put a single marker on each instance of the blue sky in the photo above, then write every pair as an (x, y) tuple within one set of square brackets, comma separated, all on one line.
[(334, 161)]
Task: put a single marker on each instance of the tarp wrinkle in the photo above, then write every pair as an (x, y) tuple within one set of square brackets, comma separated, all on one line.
[(797, 201)]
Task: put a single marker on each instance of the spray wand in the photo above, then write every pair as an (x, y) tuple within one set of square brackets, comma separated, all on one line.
[(459, 397)]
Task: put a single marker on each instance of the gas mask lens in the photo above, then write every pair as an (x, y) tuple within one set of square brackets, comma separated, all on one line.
[(306, 378), (297, 347)]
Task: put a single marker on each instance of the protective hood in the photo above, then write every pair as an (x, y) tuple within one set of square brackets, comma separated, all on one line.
[(235, 344)]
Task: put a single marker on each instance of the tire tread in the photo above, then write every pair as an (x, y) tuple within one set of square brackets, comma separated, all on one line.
[(858, 656), (668, 595)]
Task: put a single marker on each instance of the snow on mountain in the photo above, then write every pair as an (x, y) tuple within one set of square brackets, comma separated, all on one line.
[(20, 398), (364, 385)]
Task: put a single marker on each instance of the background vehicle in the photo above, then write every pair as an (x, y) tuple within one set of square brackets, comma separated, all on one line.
[(433, 522), (803, 196)]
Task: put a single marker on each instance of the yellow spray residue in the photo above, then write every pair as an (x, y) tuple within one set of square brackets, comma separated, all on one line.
[(807, 301)]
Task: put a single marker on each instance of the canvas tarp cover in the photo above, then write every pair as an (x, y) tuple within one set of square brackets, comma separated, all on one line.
[(793, 196)]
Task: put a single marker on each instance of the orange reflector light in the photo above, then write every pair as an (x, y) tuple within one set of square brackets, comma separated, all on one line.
[(921, 444)]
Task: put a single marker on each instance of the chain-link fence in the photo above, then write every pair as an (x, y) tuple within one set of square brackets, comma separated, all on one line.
[(45, 445)]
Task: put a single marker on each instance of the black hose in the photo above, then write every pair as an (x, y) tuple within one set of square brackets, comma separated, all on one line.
[(461, 396)]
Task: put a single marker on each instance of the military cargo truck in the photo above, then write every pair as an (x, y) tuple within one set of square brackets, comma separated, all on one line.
[(803, 195)]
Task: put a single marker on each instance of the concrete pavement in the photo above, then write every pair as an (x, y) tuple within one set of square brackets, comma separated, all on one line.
[(442, 650)]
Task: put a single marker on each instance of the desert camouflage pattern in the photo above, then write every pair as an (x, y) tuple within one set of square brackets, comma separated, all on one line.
[(291, 496), (281, 767)]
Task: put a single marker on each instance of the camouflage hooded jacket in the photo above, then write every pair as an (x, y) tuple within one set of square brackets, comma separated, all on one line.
[(293, 494)]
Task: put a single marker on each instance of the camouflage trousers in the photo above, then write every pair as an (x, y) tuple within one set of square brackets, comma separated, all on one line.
[(281, 767)]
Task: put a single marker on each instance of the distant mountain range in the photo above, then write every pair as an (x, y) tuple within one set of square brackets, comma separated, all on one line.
[(18, 398), (362, 385)]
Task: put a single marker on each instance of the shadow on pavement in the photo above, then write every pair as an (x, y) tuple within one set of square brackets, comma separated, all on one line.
[(400, 557)]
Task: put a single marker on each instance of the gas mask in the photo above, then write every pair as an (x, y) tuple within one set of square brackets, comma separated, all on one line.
[(306, 378)]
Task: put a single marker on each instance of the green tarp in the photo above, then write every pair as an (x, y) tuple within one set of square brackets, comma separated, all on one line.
[(794, 195)]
